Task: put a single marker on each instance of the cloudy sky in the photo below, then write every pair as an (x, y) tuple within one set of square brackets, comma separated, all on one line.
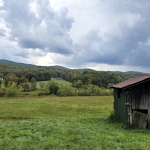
[(98, 34)]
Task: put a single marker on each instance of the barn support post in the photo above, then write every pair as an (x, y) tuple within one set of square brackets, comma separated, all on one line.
[(129, 107)]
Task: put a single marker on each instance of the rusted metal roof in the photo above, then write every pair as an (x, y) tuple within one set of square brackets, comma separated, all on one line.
[(131, 82)]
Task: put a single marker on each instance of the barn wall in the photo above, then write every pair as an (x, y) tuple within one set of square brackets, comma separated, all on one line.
[(119, 105), (140, 97)]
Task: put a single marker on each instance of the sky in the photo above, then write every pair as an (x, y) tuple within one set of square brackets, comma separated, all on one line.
[(109, 35)]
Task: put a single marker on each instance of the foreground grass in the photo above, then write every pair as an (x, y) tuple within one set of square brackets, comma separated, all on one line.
[(65, 123), (70, 133)]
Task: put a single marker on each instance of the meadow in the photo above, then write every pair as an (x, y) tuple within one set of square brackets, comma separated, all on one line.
[(59, 82), (57, 123)]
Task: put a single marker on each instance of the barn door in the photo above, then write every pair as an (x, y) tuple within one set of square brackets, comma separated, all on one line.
[(140, 119)]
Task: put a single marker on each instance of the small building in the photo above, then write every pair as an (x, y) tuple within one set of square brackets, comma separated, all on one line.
[(132, 101)]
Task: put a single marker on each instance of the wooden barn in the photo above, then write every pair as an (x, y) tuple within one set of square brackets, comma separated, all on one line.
[(132, 101)]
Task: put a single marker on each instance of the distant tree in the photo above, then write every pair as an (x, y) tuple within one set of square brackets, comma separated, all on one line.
[(2, 92), (41, 84), (6, 81), (33, 83), (78, 84), (1, 75), (12, 91), (25, 86), (22, 80), (85, 72), (1, 83), (53, 88), (67, 91)]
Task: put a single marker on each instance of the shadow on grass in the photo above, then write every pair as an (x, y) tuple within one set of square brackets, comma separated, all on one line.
[(14, 118)]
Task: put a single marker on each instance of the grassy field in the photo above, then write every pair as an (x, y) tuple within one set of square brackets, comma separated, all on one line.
[(65, 123), (60, 82), (53, 106)]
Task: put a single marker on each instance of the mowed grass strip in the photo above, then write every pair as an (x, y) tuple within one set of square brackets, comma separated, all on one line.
[(53, 106)]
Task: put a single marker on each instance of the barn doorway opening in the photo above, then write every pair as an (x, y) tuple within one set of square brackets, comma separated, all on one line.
[(144, 111)]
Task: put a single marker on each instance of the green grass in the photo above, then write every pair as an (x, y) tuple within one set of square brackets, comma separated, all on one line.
[(53, 106), (62, 82), (65, 123)]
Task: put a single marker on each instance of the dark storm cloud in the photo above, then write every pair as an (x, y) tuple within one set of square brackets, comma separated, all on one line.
[(30, 44), (127, 44), (34, 24)]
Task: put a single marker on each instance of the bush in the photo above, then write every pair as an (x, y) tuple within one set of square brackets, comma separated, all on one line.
[(2, 92), (52, 87), (12, 91), (90, 90), (67, 91), (42, 92), (78, 84)]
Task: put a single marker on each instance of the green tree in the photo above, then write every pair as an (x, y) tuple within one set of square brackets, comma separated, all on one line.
[(6, 81), (1, 83), (2, 92), (78, 84), (1, 75), (41, 84), (53, 88), (67, 91), (25, 86), (12, 91), (33, 83)]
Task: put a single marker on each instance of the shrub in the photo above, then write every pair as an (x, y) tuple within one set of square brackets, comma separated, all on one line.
[(90, 90), (67, 91), (78, 84), (12, 91), (42, 92), (33, 83), (2, 92), (25, 86), (53, 88)]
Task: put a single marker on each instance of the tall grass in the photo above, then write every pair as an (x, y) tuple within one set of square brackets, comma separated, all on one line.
[(53, 106)]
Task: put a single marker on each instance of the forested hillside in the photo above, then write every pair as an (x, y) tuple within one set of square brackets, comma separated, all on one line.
[(20, 72)]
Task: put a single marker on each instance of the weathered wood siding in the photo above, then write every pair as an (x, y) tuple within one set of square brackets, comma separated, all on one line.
[(140, 97)]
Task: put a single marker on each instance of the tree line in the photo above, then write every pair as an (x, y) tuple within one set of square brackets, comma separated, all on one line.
[(25, 77)]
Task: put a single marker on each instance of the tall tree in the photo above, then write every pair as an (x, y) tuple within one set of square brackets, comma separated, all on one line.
[(33, 83)]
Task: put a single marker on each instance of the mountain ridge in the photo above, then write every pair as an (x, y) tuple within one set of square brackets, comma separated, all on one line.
[(8, 62)]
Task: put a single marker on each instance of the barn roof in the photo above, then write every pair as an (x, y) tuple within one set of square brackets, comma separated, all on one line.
[(131, 82)]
